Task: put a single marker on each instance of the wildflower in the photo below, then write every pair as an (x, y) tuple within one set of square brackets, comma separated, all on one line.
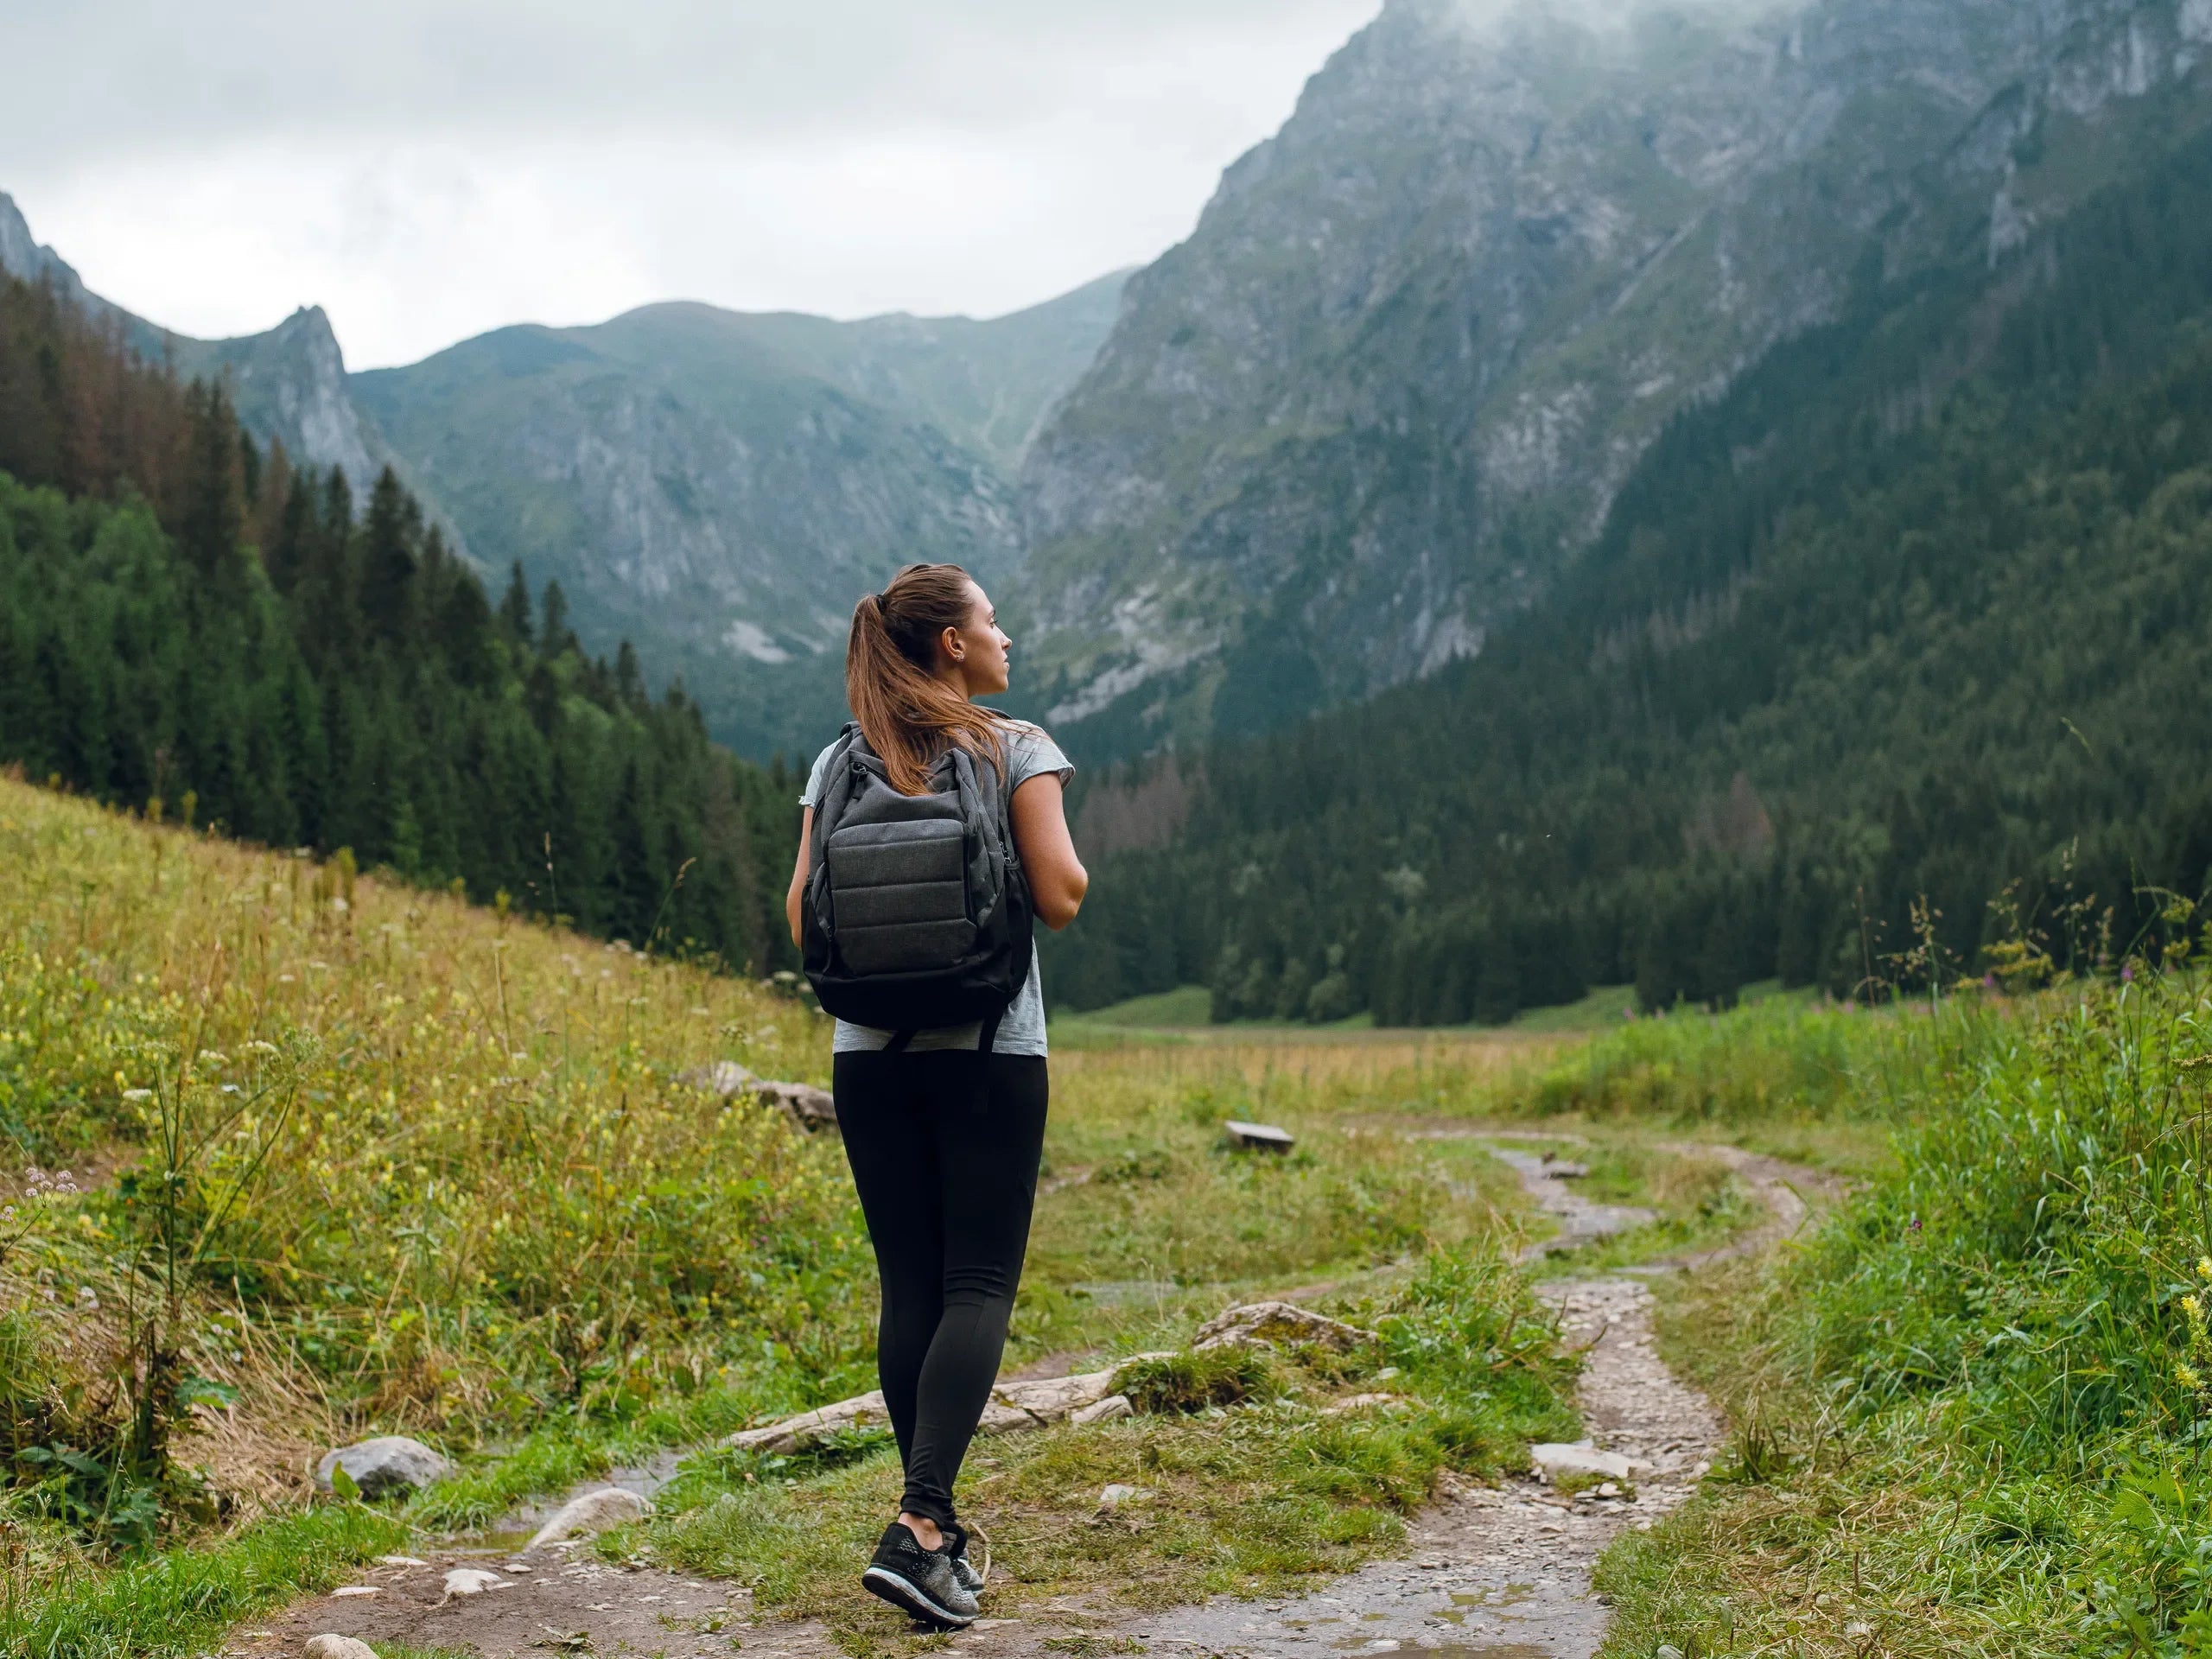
[(2204, 1269), (137, 1094), (2194, 1308), (2187, 1377)]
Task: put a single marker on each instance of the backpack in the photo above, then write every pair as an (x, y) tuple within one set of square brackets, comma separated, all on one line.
[(916, 913)]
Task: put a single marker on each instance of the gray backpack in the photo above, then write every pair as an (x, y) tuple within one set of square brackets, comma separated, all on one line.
[(915, 914)]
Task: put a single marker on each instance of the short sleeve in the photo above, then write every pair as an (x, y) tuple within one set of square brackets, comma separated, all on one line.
[(813, 791), (1031, 753)]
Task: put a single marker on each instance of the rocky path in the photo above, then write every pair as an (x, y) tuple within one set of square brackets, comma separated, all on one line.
[(1503, 1573)]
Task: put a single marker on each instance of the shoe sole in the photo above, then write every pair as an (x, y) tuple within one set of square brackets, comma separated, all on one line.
[(910, 1599)]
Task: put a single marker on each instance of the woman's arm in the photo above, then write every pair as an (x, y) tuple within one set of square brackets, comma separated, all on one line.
[(1057, 878), (798, 877)]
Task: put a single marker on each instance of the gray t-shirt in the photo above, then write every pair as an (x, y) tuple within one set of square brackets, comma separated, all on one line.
[(1029, 754)]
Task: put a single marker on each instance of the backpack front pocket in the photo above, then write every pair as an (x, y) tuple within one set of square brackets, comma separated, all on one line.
[(899, 895)]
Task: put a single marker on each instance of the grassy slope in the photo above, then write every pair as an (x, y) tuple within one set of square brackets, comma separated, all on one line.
[(1971, 1416), (433, 1173)]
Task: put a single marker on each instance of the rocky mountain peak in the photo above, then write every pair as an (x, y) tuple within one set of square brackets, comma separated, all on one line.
[(291, 382), (1388, 388), (19, 254)]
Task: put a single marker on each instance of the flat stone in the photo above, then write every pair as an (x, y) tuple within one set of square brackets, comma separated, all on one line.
[(589, 1514), (1111, 1409), (337, 1647), (1266, 1137), (1256, 1323), (1051, 1398), (389, 1462), (1583, 1457), (1116, 1495), (473, 1581), (1013, 1408), (861, 1411)]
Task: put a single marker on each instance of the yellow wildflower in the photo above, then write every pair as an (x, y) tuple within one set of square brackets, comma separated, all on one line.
[(2204, 1269), (2187, 1377)]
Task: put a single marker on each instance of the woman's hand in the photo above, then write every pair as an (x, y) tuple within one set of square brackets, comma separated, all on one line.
[(798, 877), (1057, 878)]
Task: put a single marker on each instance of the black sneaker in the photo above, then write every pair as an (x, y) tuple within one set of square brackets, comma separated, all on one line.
[(965, 1573), (918, 1581)]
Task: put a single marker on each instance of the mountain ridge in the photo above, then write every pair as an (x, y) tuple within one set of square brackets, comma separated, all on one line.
[(715, 484), (1383, 394), (720, 485)]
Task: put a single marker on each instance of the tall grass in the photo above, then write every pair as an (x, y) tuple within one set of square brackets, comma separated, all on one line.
[(358, 1157), (1981, 1421)]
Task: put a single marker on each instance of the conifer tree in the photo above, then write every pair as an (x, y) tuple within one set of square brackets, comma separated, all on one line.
[(515, 609)]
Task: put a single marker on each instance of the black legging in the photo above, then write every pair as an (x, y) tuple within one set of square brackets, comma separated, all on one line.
[(947, 1173)]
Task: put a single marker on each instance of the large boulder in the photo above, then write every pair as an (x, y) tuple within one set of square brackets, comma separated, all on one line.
[(589, 1514), (1275, 1324), (389, 1462)]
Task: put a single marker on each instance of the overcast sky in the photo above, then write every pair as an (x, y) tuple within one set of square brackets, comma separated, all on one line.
[(426, 169)]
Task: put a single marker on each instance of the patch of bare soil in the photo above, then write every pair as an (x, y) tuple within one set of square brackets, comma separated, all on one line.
[(546, 1605)]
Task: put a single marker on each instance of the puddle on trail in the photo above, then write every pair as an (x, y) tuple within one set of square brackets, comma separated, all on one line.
[(505, 1540), (1580, 1221), (1510, 1595)]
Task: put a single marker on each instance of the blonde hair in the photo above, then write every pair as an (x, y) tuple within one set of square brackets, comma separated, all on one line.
[(907, 713)]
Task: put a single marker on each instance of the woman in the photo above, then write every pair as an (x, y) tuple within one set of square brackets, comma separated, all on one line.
[(944, 1151)]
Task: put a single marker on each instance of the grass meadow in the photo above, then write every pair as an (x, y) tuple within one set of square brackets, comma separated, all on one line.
[(300, 1155)]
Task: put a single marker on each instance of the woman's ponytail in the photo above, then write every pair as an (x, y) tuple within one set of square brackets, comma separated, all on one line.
[(909, 715)]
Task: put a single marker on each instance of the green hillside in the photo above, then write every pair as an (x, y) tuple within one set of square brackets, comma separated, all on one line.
[(190, 626), (1920, 608)]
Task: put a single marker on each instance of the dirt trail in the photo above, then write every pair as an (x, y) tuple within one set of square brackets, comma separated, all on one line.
[(1502, 1573)]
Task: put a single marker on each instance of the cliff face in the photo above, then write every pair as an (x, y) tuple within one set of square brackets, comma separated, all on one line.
[(289, 384), (1392, 382)]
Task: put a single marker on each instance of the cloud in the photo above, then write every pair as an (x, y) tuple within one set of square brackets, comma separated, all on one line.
[(426, 171)]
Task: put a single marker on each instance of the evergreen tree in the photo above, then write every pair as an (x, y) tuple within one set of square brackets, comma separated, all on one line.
[(515, 610)]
